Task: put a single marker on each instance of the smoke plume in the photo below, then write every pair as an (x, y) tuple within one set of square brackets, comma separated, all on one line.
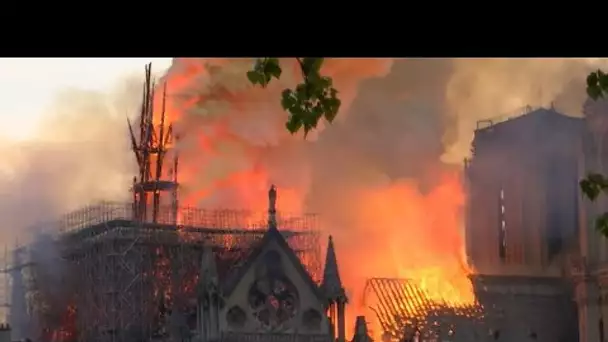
[(386, 175), (80, 154)]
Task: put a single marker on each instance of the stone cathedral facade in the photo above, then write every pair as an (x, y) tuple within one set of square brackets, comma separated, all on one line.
[(273, 298), (531, 234)]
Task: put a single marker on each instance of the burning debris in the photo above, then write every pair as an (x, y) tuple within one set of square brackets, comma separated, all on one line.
[(404, 310), (233, 144), (137, 265), (133, 277)]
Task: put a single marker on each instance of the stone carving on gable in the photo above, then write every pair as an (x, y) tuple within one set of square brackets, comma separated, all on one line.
[(311, 319), (236, 317), (273, 298)]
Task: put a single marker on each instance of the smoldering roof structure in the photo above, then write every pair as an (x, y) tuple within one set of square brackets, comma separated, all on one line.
[(120, 273), (403, 308)]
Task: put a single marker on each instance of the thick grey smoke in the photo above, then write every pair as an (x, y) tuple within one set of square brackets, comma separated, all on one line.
[(481, 89), (425, 111), (420, 111), (381, 176), (404, 124), (418, 121), (80, 154)]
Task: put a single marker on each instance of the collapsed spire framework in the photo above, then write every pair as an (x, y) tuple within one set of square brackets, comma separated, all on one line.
[(151, 144)]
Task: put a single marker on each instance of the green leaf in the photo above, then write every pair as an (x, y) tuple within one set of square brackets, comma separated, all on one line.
[(264, 70), (316, 114), (316, 65), (288, 100), (272, 68), (253, 76), (309, 101), (326, 82), (593, 185), (334, 107), (307, 66), (601, 224), (589, 189), (259, 64), (293, 124), (597, 84), (592, 79), (603, 81), (301, 90), (599, 179), (594, 92)]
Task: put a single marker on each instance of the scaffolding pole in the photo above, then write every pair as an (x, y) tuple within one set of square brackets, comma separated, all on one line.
[(127, 280)]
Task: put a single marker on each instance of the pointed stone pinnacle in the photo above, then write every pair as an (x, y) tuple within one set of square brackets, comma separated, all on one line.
[(332, 284)]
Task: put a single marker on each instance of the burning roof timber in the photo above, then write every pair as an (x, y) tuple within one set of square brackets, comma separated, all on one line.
[(231, 230), (188, 217), (401, 305), (108, 250)]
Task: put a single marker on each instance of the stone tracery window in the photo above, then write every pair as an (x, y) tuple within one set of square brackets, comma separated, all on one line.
[(273, 298)]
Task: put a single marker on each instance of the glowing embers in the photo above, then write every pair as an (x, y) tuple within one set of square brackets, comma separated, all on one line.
[(273, 298), (67, 328), (404, 309)]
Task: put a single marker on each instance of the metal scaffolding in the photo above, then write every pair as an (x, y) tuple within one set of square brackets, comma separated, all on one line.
[(119, 272), (14, 309), (123, 279), (4, 286)]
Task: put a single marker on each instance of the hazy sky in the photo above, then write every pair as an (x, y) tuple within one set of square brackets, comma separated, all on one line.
[(28, 85)]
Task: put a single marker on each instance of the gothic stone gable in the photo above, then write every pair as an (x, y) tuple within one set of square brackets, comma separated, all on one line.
[(273, 294)]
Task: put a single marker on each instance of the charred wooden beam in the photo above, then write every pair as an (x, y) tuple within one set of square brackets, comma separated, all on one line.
[(403, 308)]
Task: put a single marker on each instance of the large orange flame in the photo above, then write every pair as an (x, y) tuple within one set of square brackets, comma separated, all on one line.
[(234, 145)]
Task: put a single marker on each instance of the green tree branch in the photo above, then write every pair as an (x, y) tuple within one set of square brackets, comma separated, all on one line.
[(311, 100), (597, 85), (594, 184)]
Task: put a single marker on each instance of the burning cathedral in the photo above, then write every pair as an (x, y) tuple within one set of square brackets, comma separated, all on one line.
[(153, 270), (271, 296)]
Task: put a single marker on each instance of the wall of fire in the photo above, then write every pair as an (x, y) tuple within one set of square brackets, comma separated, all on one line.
[(522, 186)]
